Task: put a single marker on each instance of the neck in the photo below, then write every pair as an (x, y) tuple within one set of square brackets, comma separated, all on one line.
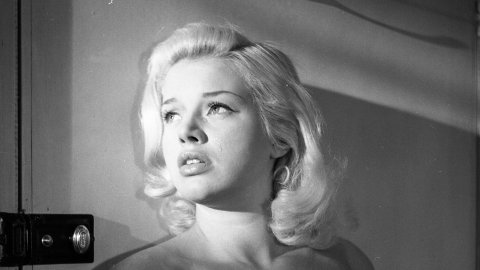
[(243, 237)]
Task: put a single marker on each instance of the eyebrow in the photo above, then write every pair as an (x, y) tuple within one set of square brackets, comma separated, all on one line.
[(208, 94)]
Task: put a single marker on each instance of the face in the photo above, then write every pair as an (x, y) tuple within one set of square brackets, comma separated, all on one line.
[(214, 146)]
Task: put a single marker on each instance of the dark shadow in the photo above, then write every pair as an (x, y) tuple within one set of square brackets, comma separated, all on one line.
[(351, 124), (413, 177), (115, 228), (9, 108), (438, 40)]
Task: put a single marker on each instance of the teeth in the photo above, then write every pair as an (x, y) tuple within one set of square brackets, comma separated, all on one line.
[(192, 161)]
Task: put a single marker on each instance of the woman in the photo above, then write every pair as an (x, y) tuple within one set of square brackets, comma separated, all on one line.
[(232, 143)]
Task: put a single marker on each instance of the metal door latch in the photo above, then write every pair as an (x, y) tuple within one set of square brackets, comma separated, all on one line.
[(28, 239)]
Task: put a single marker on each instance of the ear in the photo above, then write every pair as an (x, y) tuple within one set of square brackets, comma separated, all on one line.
[(278, 151)]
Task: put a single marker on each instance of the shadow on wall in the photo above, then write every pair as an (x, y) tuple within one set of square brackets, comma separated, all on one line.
[(103, 246), (438, 40), (412, 181)]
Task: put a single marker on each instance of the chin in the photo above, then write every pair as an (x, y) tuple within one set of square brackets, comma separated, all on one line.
[(195, 192), (206, 197), (193, 197)]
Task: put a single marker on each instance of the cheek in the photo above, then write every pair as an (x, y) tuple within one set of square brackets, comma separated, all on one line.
[(233, 138), (168, 149), (244, 142)]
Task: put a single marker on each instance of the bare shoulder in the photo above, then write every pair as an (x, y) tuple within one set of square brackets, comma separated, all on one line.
[(308, 258), (348, 252), (344, 255)]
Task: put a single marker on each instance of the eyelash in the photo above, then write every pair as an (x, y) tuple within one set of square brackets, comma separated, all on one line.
[(166, 116), (214, 105)]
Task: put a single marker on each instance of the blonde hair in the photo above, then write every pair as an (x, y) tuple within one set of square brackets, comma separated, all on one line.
[(302, 213)]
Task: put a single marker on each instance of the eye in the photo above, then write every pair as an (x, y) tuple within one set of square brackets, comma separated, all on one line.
[(169, 116), (218, 108)]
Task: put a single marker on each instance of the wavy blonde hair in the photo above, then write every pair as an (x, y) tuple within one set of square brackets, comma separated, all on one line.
[(302, 212)]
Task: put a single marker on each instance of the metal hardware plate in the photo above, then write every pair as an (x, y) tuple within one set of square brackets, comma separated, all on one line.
[(46, 239)]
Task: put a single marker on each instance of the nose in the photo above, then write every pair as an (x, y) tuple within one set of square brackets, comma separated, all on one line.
[(190, 131)]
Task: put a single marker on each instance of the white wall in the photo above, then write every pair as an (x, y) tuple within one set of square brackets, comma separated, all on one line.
[(394, 79)]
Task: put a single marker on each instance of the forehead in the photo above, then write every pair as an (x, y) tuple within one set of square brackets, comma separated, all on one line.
[(202, 75)]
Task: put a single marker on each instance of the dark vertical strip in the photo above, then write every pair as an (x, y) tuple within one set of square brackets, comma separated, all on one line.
[(30, 96), (476, 63), (18, 89), (18, 119), (19, 105)]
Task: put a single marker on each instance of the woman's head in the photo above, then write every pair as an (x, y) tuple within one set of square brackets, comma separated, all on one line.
[(288, 117), (215, 149)]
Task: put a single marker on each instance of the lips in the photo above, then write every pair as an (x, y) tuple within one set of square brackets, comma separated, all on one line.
[(193, 163)]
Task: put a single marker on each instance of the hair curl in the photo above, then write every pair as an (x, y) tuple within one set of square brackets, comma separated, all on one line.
[(302, 212)]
